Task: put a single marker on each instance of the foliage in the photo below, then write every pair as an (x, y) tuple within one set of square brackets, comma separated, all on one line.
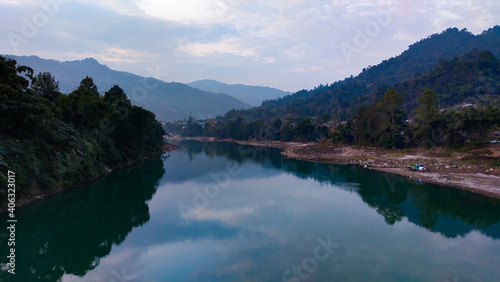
[(52, 140), (453, 63), (45, 85)]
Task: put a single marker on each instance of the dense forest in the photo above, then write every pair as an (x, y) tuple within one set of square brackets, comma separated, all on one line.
[(384, 123), (426, 110), (53, 140), (343, 99)]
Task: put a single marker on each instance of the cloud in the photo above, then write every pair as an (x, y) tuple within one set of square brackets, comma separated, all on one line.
[(227, 216), (291, 44), (231, 46)]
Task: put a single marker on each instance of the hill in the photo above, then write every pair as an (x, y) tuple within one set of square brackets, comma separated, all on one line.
[(252, 95), (343, 99), (168, 101), (51, 141)]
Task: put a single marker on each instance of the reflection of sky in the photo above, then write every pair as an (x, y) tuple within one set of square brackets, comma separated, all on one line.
[(179, 168), (266, 221)]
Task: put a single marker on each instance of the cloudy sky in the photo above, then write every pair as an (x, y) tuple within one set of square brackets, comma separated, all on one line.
[(288, 44)]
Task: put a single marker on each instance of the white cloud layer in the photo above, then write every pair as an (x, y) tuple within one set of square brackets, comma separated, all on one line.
[(290, 44)]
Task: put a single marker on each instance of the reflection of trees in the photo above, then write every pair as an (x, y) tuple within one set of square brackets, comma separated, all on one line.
[(449, 211), (438, 207), (74, 230)]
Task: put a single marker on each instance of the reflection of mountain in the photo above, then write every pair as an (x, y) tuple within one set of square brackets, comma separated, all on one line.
[(448, 211), (103, 214)]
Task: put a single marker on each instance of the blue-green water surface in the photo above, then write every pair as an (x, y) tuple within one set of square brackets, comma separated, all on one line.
[(227, 212)]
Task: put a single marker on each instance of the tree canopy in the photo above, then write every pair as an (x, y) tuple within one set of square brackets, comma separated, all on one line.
[(53, 140)]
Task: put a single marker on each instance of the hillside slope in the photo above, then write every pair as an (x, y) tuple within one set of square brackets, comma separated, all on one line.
[(344, 98), (51, 141)]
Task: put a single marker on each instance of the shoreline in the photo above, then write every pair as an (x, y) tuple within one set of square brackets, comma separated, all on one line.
[(472, 171), (41, 196)]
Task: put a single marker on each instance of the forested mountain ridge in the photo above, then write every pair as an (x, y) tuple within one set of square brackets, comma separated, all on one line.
[(252, 95), (425, 54), (52, 140), (168, 100), (383, 118), (456, 103), (344, 98)]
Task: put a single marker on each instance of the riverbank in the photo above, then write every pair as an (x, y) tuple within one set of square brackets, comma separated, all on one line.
[(474, 170), (40, 195)]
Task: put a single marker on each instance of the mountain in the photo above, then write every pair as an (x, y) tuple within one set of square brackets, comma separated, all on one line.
[(343, 99), (169, 101), (425, 54), (252, 95)]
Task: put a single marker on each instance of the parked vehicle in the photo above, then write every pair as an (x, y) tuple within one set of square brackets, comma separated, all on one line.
[(417, 167)]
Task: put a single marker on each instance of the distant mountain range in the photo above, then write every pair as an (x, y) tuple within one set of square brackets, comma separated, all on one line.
[(438, 61), (169, 101), (252, 95)]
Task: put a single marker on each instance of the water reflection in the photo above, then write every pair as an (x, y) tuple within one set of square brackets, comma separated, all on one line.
[(71, 232), (448, 211), (264, 222)]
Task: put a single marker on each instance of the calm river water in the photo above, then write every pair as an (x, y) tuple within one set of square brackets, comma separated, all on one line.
[(227, 212)]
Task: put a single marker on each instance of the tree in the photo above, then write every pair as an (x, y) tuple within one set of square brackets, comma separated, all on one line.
[(428, 119), (305, 129), (193, 128), (45, 85), (367, 125), (87, 85), (428, 107), (114, 94), (395, 122), (276, 128)]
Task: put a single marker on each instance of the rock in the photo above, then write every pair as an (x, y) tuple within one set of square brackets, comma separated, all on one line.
[(447, 166)]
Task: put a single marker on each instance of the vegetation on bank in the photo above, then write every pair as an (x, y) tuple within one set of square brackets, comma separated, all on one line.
[(52, 140), (384, 124), (462, 112)]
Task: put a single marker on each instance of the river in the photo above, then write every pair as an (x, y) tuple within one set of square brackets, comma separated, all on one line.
[(228, 212)]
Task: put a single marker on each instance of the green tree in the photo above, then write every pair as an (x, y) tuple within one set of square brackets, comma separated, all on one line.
[(276, 128), (367, 125), (45, 85), (305, 129), (395, 122), (87, 86), (428, 107), (427, 120), (114, 94)]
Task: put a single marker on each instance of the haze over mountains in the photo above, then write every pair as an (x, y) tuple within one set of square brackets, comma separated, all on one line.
[(252, 95), (169, 101)]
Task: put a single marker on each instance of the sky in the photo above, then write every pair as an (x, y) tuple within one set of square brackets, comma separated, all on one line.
[(287, 44)]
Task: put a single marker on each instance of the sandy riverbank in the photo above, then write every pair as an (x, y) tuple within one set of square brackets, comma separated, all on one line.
[(473, 170)]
